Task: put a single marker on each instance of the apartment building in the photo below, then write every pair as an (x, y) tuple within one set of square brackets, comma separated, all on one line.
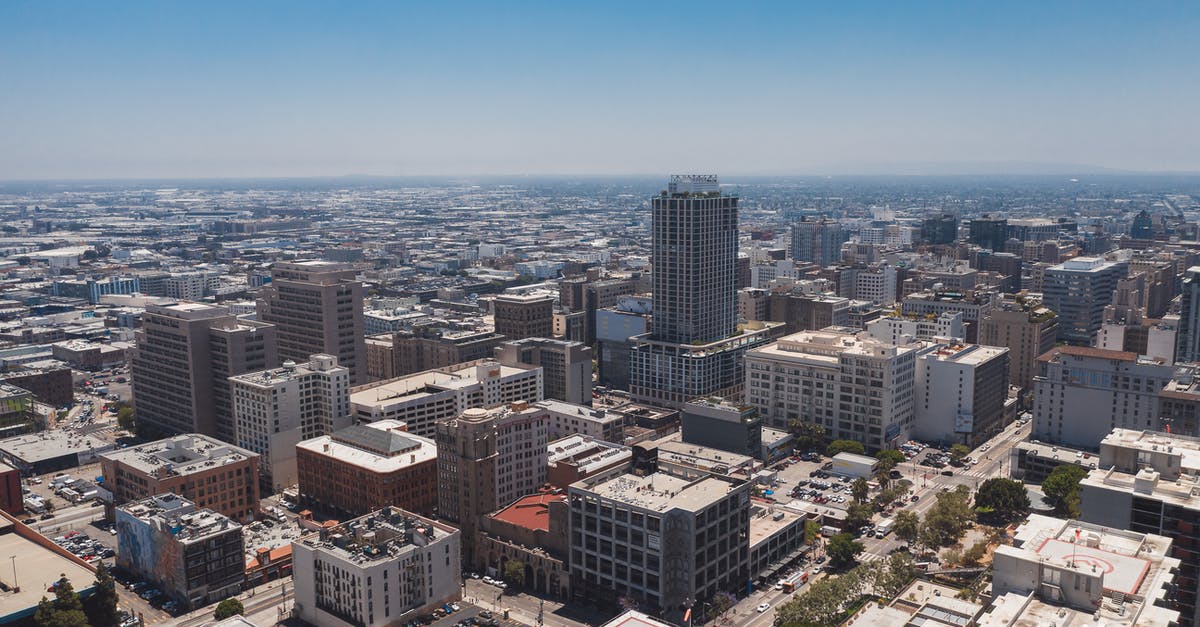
[(904, 329), (566, 366), (363, 468), (428, 348), (276, 409), (518, 316), (961, 390), (385, 568), (856, 387), (1081, 394), (1026, 328), (317, 307), (194, 555), (209, 473), (486, 460), (421, 400), (185, 354), (1148, 482), (659, 539)]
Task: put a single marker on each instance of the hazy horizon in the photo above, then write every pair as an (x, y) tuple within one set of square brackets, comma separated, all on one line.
[(166, 91)]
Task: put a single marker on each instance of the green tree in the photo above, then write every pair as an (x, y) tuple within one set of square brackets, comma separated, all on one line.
[(812, 531), (229, 607), (66, 610), (125, 418), (807, 436), (843, 550), (514, 571), (845, 446), (907, 526), (889, 458), (973, 555), (859, 490), (721, 602), (948, 518), (1004, 498), (958, 452), (1062, 489), (859, 514), (101, 607)]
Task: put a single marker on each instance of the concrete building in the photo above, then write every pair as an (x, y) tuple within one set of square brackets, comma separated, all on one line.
[(577, 457), (39, 563), (274, 410), (208, 472), (16, 410), (317, 307), (363, 468), (753, 304), (428, 348), (421, 400), (486, 460), (185, 354), (805, 312), (1179, 401), (1027, 329), (47, 451), (381, 358), (659, 539), (10, 489), (52, 386), (194, 555), (1147, 482), (721, 424), (1059, 572), (518, 316), (854, 386), (614, 329), (694, 348), (569, 419), (1081, 394), (961, 391), (818, 241), (974, 306), (1078, 290), (385, 568), (533, 532), (905, 329), (876, 284), (566, 366)]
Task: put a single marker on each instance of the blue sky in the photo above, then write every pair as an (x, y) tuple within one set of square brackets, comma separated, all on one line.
[(202, 89)]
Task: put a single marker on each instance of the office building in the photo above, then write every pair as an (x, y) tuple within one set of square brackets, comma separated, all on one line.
[(1188, 337), (363, 468), (659, 539), (1142, 226), (518, 316), (577, 457), (1059, 572), (818, 241), (615, 327), (566, 366), (974, 306), (317, 307), (723, 425), (1179, 401), (206, 471), (566, 419), (753, 304), (940, 230), (274, 410), (381, 358), (10, 489), (1026, 328), (805, 312), (421, 400), (426, 348), (181, 366), (16, 411), (876, 284), (385, 568), (988, 232), (856, 387), (694, 348), (194, 555), (486, 460), (1147, 482), (961, 389), (905, 329), (1080, 394), (1078, 291)]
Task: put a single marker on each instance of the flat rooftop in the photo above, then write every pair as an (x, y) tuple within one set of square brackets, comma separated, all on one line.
[(824, 347), (634, 618), (662, 492), (427, 383), (766, 522), (382, 446), (180, 517), (588, 452), (36, 567), (966, 354), (32, 448), (378, 535), (181, 454)]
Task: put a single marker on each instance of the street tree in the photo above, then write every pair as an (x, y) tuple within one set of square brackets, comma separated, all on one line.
[(66, 610), (514, 571), (845, 446), (907, 526), (958, 452), (889, 458), (843, 550), (807, 436), (1062, 489), (101, 607), (228, 608), (1002, 498), (858, 515)]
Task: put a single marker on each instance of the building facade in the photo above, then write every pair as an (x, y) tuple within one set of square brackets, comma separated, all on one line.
[(1078, 290), (818, 241), (961, 392), (519, 316), (1027, 329), (566, 366)]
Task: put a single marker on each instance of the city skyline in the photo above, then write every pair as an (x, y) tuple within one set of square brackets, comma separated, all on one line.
[(310, 89)]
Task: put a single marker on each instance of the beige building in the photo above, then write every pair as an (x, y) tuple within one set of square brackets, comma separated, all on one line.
[(486, 460), (185, 354), (566, 366), (318, 308), (1028, 330)]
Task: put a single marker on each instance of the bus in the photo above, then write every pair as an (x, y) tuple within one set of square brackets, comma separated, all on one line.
[(795, 581)]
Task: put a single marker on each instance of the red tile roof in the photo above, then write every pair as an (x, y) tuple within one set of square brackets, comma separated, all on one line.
[(1087, 351), (530, 512)]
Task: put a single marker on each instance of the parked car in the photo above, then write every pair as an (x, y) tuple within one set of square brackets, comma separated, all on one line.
[(762, 607)]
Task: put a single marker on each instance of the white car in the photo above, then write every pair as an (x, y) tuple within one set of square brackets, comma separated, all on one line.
[(779, 585), (488, 580), (762, 607)]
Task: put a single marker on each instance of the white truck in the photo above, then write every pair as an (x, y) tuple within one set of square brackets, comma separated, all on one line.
[(884, 528)]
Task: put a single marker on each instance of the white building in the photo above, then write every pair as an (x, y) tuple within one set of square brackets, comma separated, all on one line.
[(877, 285), (421, 399), (274, 410), (904, 329), (571, 419), (961, 390), (1080, 394), (385, 568), (855, 386), (1059, 572)]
